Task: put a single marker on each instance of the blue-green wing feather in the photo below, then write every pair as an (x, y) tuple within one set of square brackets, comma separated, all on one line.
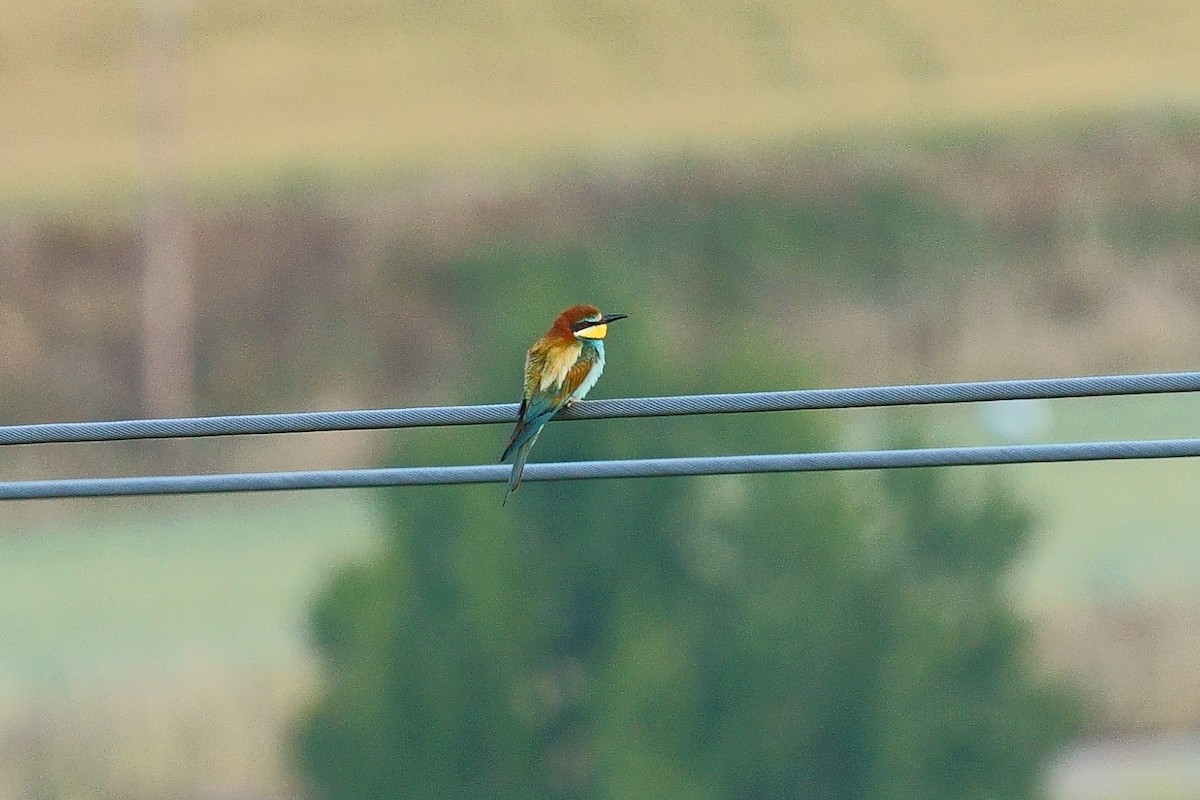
[(538, 411)]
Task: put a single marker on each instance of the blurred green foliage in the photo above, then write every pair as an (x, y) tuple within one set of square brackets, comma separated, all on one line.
[(817, 636)]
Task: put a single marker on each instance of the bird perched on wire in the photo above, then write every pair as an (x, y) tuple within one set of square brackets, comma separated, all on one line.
[(560, 368)]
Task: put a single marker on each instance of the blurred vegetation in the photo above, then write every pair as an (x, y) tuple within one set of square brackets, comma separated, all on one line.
[(940, 258), (995, 189), (973, 258), (765, 636)]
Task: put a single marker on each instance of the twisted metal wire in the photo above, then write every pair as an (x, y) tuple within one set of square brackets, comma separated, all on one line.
[(803, 399), (579, 470)]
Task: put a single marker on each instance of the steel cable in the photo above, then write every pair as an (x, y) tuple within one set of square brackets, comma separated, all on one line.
[(579, 470), (802, 399)]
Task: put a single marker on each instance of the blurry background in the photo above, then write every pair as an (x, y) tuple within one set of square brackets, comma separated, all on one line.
[(223, 207)]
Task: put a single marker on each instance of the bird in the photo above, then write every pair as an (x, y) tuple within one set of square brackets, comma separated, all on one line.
[(560, 368)]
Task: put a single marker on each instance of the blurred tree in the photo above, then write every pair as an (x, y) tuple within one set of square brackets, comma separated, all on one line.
[(731, 637)]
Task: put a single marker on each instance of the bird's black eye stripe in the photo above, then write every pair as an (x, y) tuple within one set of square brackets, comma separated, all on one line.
[(584, 323)]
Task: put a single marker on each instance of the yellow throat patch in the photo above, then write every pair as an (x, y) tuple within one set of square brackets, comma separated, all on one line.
[(594, 332)]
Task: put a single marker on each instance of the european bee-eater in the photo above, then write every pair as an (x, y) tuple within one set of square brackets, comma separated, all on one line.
[(560, 368)]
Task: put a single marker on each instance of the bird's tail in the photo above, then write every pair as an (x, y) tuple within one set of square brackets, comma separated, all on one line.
[(514, 480)]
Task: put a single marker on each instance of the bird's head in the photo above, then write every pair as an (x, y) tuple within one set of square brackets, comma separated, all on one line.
[(585, 322)]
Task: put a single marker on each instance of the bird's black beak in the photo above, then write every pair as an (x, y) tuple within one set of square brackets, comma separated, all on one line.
[(607, 318)]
